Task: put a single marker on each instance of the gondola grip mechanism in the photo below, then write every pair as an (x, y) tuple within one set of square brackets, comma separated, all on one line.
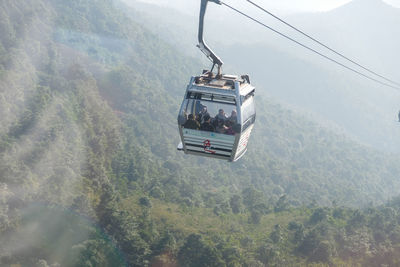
[(202, 45)]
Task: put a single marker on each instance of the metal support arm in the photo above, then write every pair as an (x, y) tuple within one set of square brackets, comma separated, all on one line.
[(202, 45)]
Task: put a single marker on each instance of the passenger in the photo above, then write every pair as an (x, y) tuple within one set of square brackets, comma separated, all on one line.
[(197, 118), (191, 123), (198, 106), (202, 114), (221, 128), (230, 131), (221, 115), (232, 119), (206, 125)]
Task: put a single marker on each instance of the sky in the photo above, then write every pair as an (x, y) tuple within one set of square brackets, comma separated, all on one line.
[(282, 6)]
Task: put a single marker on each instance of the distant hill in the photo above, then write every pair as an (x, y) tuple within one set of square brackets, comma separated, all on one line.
[(277, 135), (142, 79), (90, 175), (363, 30)]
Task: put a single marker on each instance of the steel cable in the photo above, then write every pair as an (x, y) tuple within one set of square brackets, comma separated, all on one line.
[(311, 49)]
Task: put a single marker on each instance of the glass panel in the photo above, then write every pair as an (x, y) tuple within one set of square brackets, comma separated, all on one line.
[(211, 116), (223, 99), (248, 108)]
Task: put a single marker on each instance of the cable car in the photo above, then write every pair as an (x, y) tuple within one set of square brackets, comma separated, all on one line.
[(217, 113)]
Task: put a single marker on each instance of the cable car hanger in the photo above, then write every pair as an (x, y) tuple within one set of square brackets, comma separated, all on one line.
[(202, 44)]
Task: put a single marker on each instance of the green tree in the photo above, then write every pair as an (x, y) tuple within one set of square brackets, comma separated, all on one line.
[(310, 243), (236, 203), (319, 215), (268, 254), (255, 217), (322, 253), (282, 204), (276, 235), (196, 253)]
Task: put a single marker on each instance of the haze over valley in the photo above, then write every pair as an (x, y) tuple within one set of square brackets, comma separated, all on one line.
[(90, 174)]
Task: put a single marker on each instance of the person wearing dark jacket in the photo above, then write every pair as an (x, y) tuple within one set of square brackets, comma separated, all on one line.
[(202, 114), (191, 123), (232, 119), (221, 116), (207, 126)]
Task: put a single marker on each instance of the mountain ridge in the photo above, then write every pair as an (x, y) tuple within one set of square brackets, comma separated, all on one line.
[(90, 175)]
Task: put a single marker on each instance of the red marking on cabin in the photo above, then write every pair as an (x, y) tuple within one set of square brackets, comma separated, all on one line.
[(207, 145)]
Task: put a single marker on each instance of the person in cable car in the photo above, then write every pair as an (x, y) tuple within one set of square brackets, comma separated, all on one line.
[(202, 114), (206, 125), (221, 115), (221, 127), (191, 123), (233, 118)]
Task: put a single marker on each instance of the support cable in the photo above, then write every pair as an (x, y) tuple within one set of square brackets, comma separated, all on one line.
[(311, 49), (320, 43)]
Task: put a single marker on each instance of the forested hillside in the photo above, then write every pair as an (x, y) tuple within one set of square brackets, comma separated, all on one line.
[(363, 31), (288, 145), (90, 175)]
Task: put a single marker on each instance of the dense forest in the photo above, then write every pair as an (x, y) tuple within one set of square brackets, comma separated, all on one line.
[(90, 175)]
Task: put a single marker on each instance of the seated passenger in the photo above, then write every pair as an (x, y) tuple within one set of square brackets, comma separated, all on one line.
[(221, 115), (232, 119), (197, 118), (207, 126), (221, 128), (191, 123), (202, 114), (230, 131)]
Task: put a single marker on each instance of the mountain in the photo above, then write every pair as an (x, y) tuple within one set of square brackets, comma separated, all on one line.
[(366, 111), (365, 31), (90, 175), (276, 146)]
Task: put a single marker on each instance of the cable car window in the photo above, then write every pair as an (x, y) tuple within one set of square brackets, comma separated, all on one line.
[(211, 116), (251, 94), (248, 108), (223, 99)]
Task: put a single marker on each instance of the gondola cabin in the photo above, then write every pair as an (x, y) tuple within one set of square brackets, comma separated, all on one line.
[(217, 116)]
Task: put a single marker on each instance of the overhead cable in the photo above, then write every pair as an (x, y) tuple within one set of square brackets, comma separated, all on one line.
[(320, 43), (311, 49)]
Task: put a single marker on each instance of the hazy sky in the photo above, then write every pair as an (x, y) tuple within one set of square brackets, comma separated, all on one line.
[(283, 6)]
